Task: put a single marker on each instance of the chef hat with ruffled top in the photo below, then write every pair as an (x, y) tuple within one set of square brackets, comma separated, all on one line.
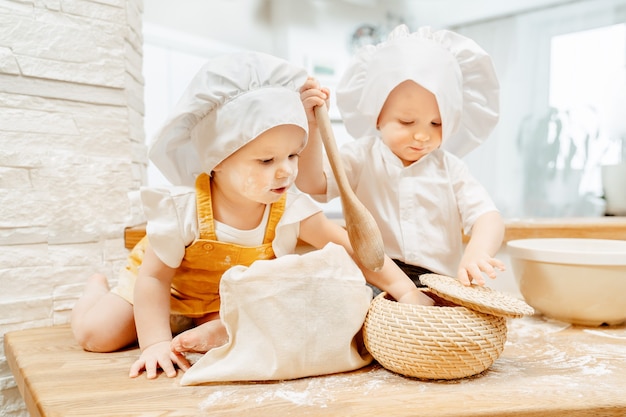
[(232, 100), (454, 68)]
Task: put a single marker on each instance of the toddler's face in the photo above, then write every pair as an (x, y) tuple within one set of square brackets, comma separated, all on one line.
[(265, 168), (410, 123)]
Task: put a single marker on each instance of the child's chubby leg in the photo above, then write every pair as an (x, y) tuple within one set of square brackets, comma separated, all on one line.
[(102, 321), (208, 334)]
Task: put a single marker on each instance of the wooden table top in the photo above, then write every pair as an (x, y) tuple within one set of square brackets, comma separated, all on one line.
[(547, 368)]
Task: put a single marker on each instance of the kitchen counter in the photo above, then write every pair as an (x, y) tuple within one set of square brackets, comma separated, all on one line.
[(547, 368), (580, 227)]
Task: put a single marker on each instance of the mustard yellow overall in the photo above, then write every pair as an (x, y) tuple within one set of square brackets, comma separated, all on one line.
[(195, 286)]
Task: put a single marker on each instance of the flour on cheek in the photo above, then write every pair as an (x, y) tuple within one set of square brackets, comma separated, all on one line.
[(254, 187), (254, 184)]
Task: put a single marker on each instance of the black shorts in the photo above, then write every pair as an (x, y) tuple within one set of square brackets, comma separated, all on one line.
[(414, 272)]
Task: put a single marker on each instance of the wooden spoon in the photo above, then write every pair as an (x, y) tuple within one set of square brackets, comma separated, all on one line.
[(365, 237)]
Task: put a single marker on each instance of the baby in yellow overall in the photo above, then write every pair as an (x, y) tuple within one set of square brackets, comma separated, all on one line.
[(231, 150)]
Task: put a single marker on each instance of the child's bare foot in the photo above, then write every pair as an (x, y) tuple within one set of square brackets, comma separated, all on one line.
[(201, 339)]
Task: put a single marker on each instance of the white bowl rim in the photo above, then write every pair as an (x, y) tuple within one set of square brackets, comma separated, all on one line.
[(576, 251)]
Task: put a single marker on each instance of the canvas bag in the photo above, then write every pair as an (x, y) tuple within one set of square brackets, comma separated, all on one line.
[(290, 317)]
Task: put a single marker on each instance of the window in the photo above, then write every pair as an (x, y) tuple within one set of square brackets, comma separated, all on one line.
[(586, 68)]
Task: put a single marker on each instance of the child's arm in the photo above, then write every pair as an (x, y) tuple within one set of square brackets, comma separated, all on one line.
[(311, 178), (152, 318), (317, 231), (484, 243)]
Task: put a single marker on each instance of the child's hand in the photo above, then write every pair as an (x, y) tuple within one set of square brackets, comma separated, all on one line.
[(157, 356), (416, 297), (473, 266), (312, 95)]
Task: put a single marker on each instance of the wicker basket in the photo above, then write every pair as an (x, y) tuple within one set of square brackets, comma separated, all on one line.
[(447, 341)]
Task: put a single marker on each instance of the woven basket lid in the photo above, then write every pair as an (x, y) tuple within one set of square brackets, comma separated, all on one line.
[(479, 298)]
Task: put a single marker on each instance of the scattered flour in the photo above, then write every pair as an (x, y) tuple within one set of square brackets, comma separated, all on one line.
[(609, 332), (311, 392), (533, 352)]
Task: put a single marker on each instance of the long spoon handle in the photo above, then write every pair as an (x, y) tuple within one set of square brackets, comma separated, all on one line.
[(363, 231)]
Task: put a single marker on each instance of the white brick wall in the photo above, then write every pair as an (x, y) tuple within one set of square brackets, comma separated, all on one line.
[(71, 148)]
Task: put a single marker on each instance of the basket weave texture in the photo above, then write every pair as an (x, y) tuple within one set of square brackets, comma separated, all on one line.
[(432, 342), (479, 298)]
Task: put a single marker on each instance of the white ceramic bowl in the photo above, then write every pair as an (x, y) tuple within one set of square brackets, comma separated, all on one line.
[(579, 281)]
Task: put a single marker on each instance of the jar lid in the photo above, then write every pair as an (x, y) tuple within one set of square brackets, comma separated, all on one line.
[(479, 298)]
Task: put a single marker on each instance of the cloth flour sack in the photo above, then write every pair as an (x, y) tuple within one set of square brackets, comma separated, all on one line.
[(290, 317)]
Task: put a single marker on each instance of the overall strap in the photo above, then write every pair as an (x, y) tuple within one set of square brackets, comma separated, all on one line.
[(204, 207), (276, 212)]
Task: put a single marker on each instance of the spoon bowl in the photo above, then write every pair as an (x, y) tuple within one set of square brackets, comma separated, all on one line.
[(363, 232)]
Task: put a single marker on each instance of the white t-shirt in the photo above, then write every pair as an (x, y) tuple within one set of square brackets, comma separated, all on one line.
[(172, 223), (420, 209)]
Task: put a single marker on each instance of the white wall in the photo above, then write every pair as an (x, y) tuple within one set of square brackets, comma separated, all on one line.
[(246, 23), (71, 147)]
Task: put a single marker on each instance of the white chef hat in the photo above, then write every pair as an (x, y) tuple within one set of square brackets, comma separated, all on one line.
[(232, 100), (454, 68)]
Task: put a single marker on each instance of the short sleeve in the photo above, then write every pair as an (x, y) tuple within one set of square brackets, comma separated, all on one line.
[(171, 221), (352, 156), (299, 206), (472, 198)]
